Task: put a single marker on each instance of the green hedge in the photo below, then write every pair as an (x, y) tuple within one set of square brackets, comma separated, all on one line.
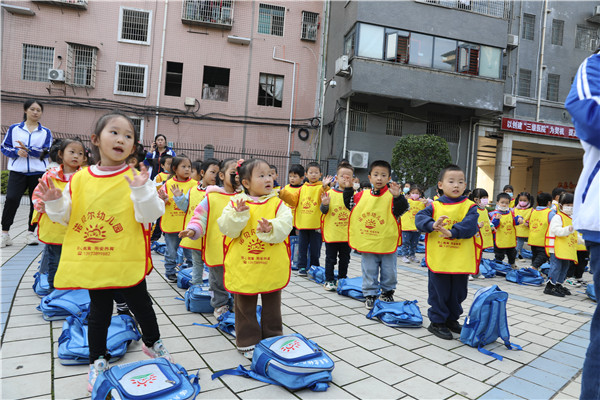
[(5, 183)]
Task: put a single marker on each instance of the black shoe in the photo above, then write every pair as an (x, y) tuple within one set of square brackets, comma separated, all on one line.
[(520, 257), (440, 330), (553, 290), (388, 296), (563, 289), (302, 272), (172, 278), (370, 302), (454, 326)]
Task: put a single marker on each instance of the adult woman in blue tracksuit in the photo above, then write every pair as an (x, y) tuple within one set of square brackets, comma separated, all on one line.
[(26, 145), (583, 103), (158, 150)]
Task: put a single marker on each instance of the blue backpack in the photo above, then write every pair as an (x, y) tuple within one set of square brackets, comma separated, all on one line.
[(545, 268), (423, 263), (486, 269), (591, 292), (399, 314), (159, 247), (501, 268), (291, 361), (487, 321), (148, 379), (317, 274), (73, 345), (351, 287), (61, 304), (197, 299), (41, 287), (525, 276), (226, 321), (526, 254), (420, 248), (184, 278)]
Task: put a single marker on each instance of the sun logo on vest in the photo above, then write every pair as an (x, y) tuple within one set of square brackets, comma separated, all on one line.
[(308, 203), (290, 345), (143, 380), (94, 234), (256, 246), (343, 215), (370, 223)]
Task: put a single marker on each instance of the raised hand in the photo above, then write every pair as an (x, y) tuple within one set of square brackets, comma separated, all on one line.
[(241, 206), (520, 220), (328, 180), (49, 192), (187, 233), (395, 189), (139, 179), (162, 194), (325, 199), (439, 224), (264, 226), (176, 190)]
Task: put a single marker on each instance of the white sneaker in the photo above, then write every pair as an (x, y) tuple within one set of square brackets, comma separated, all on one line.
[(572, 282), (157, 350), (99, 366), (470, 277), (413, 259), (405, 260), (31, 239), (220, 311), (6, 240)]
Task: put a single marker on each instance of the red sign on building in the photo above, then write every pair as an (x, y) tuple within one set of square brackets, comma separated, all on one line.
[(538, 128)]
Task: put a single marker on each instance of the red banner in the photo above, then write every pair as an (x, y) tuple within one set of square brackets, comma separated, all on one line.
[(538, 128)]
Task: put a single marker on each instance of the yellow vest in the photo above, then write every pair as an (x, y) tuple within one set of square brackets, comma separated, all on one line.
[(486, 231), (538, 227), (408, 218), (160, 178), (173, 220), (565, 247), (512, 203), (292, 191), (373, 228), (195, 198), (506, 234), (308, 215), (580, 247), (104, 246), (51, 232), (251, 265), (452, 256), (212, 242), (522, 229), (334, 224)]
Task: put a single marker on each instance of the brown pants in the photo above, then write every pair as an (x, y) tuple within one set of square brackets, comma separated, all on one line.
[(248, 331)]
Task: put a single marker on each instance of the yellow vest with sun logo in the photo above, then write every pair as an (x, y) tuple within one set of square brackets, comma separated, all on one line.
[(51, 232), (334, 224), (485, 231), (565, 247), (506, 234), (538, 227), (173, 221), (523, 229), (104, 247), (212, 242), (373, 227), (196, 197), (308, 215), (408, 218), (251, 265)]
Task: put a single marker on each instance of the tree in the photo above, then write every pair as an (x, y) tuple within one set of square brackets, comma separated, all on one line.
[(420, 158)]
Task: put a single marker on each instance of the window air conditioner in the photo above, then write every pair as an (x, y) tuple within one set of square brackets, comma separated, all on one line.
[(341, 66), (596, 10), (358, 159), (513, 40), (510, 101), (56, 75)]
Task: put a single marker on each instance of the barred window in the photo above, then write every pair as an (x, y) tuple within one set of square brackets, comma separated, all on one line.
[(586, 38), (495, 8), (553, 84), (270, 90), (310, 23), (358, 117), (37, 60), (135, 25), (528, 26), (131, 79), (444, 126), (138, 123), (558, 27), (524, 83), (393, 125), (270, 19), (504, 71), (81, 65)]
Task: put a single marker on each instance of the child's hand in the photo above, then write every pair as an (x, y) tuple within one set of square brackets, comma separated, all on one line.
[(325, 199), (439, 224), (445, 233), (176, 191), (395, 189), (328, 180), (240, 206), (264, 226), (162, 194), (520, 220), (526, 223), (187, 233), (481, 224), (424, 201), (139, 179), (571, 229), (49, 192), (497, 216)]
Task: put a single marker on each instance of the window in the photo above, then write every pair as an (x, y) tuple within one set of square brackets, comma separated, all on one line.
[(444, 54), (528, 26), (557, 31), (524, 82), (553, 84), (358, 117), (215, 84), (504, 71), (397, 47), (393, 125), (81, 65), (270, 19), (134, 25), (310, 24), (270, 90), (173, 79), (37, 60), (130, 79), (370, 41), (586, 38), (349, 43), (210, 12), (445, 126), (138, 123), (421, 49), (468, 58), (489, 62)]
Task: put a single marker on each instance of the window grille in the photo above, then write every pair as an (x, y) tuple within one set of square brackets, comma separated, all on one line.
[(553, 85), (468, 59), (557, 31), (131, 80), (270, 19), (135, 25), (310, 23), (81, 65), (138, 124), (358, 117), (494, 8), (524, 83), (37, 60), (270, 90), (528, 26), (444, 126), (393, 126), (586, 38), (208, 11), (504, 71)]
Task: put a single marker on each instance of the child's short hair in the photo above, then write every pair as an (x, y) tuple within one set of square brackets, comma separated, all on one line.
[(245, 170), (132, 157), (543, 199), (223, 166), (207, 164), (365, 185), (380, 163), (164, 159), (313, 164), (345, 165), (272, 166), (557, 191), (449, 168), (503, 195), (467, 192), (566, 198), (478, 193), (62, 145), (53, 151), (506, 187), (414, 186), (197, 166), (528, 195), (176, 161), (104, 120), (297, 169)]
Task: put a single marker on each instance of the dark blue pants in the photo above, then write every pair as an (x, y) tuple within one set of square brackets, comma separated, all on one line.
[(332, 252), (590, 381), (446, 294), (313, 238), (53, 257)]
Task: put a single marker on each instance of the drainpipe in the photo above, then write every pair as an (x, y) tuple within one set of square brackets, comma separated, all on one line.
[(541, 66), (323, 75), (160, 69), (291, 106), (346, 125)]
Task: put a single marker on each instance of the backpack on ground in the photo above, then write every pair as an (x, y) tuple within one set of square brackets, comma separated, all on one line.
[(351, 287), (399, 314), (487, 321), (291, 361), (157, 378), (590, 291), (226, 321), (73, 347), (61, 304), (525, 276), (545, 268), (526, 254), (486, 269), (41, 287), (423, 263), (184, 278), (159, 248), (501, 268), (420, 248), (489, 250), (317, 274), (197, 299)]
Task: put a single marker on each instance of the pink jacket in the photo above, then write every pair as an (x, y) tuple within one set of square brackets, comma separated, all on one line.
[(200, 218), (56, 173)]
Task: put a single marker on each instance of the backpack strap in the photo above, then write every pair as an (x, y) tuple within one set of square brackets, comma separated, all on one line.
[(69, 306), (503, 330), (241, 371), (207, 325)]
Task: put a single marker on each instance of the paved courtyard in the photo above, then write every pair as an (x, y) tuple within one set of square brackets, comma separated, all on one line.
[(372, 361)]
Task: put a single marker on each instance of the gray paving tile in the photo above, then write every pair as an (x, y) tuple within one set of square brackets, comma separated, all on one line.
[(344, 373), (430, 370), (267, 392), (21, 387), (421, 388), (357, 356), (211, 344), (472, 369), (497, 394), (372, 388), (397, 355), (222, 393), (333, 392), (437, 354), (334, 342), (466, 386), (388, 372), (25, 347), (525, 389), (25, 365), (369, 342)]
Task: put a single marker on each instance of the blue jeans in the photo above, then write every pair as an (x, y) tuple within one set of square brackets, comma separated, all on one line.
[(558, 269), (520, 242), (172, 240), (590, 384), (379, 271), (52, 257), (198, 268), (306, 238), (410, 240)]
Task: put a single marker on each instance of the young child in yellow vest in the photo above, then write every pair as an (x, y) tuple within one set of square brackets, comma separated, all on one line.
[(577, 268), (508, 189), (539, 222), (505, 222), (274, 173), (173, 221), (556, 192), (375, 232), (289, 194), (452, 251), (257, 255), (203, 225), (410, 233), (196, 173), (159, 181), (523, 208), (189, 201), (480, 197), (334, 225), (108, 209)]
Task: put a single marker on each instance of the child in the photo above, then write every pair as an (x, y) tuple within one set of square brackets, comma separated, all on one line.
[(204, 224), (289, 194), (505, 239), (481, 198), (165, 165), (173, 220), (410, 234), (114, 206), (539, 221), (334, 225), (577, 268), (196, 170), (257, 259), (375, 232), (451, 251), (276, 185), (70, 154), (523, 209), (556, 192), (508, 189)]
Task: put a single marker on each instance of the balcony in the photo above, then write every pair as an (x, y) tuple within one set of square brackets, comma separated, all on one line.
[(78, 4), (212, 13)]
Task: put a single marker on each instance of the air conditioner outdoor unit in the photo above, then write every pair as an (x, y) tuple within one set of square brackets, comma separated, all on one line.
[(596, 10), (341, 66), (358, 159), (56, 75), (513, 40), (510, 101)]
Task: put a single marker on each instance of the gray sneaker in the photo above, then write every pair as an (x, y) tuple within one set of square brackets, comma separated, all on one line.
[(370, 302), (330, 286)]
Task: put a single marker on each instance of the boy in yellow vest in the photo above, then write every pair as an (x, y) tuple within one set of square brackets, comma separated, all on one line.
[(452, 251), (505, 222), (539, 221), (410, 234), (374, 231), (289, 194)]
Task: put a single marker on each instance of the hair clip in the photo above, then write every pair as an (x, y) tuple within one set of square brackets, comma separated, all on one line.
[(240, 162)]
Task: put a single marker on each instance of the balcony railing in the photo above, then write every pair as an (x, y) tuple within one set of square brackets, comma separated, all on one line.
[(79, 4), (217, 13)]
